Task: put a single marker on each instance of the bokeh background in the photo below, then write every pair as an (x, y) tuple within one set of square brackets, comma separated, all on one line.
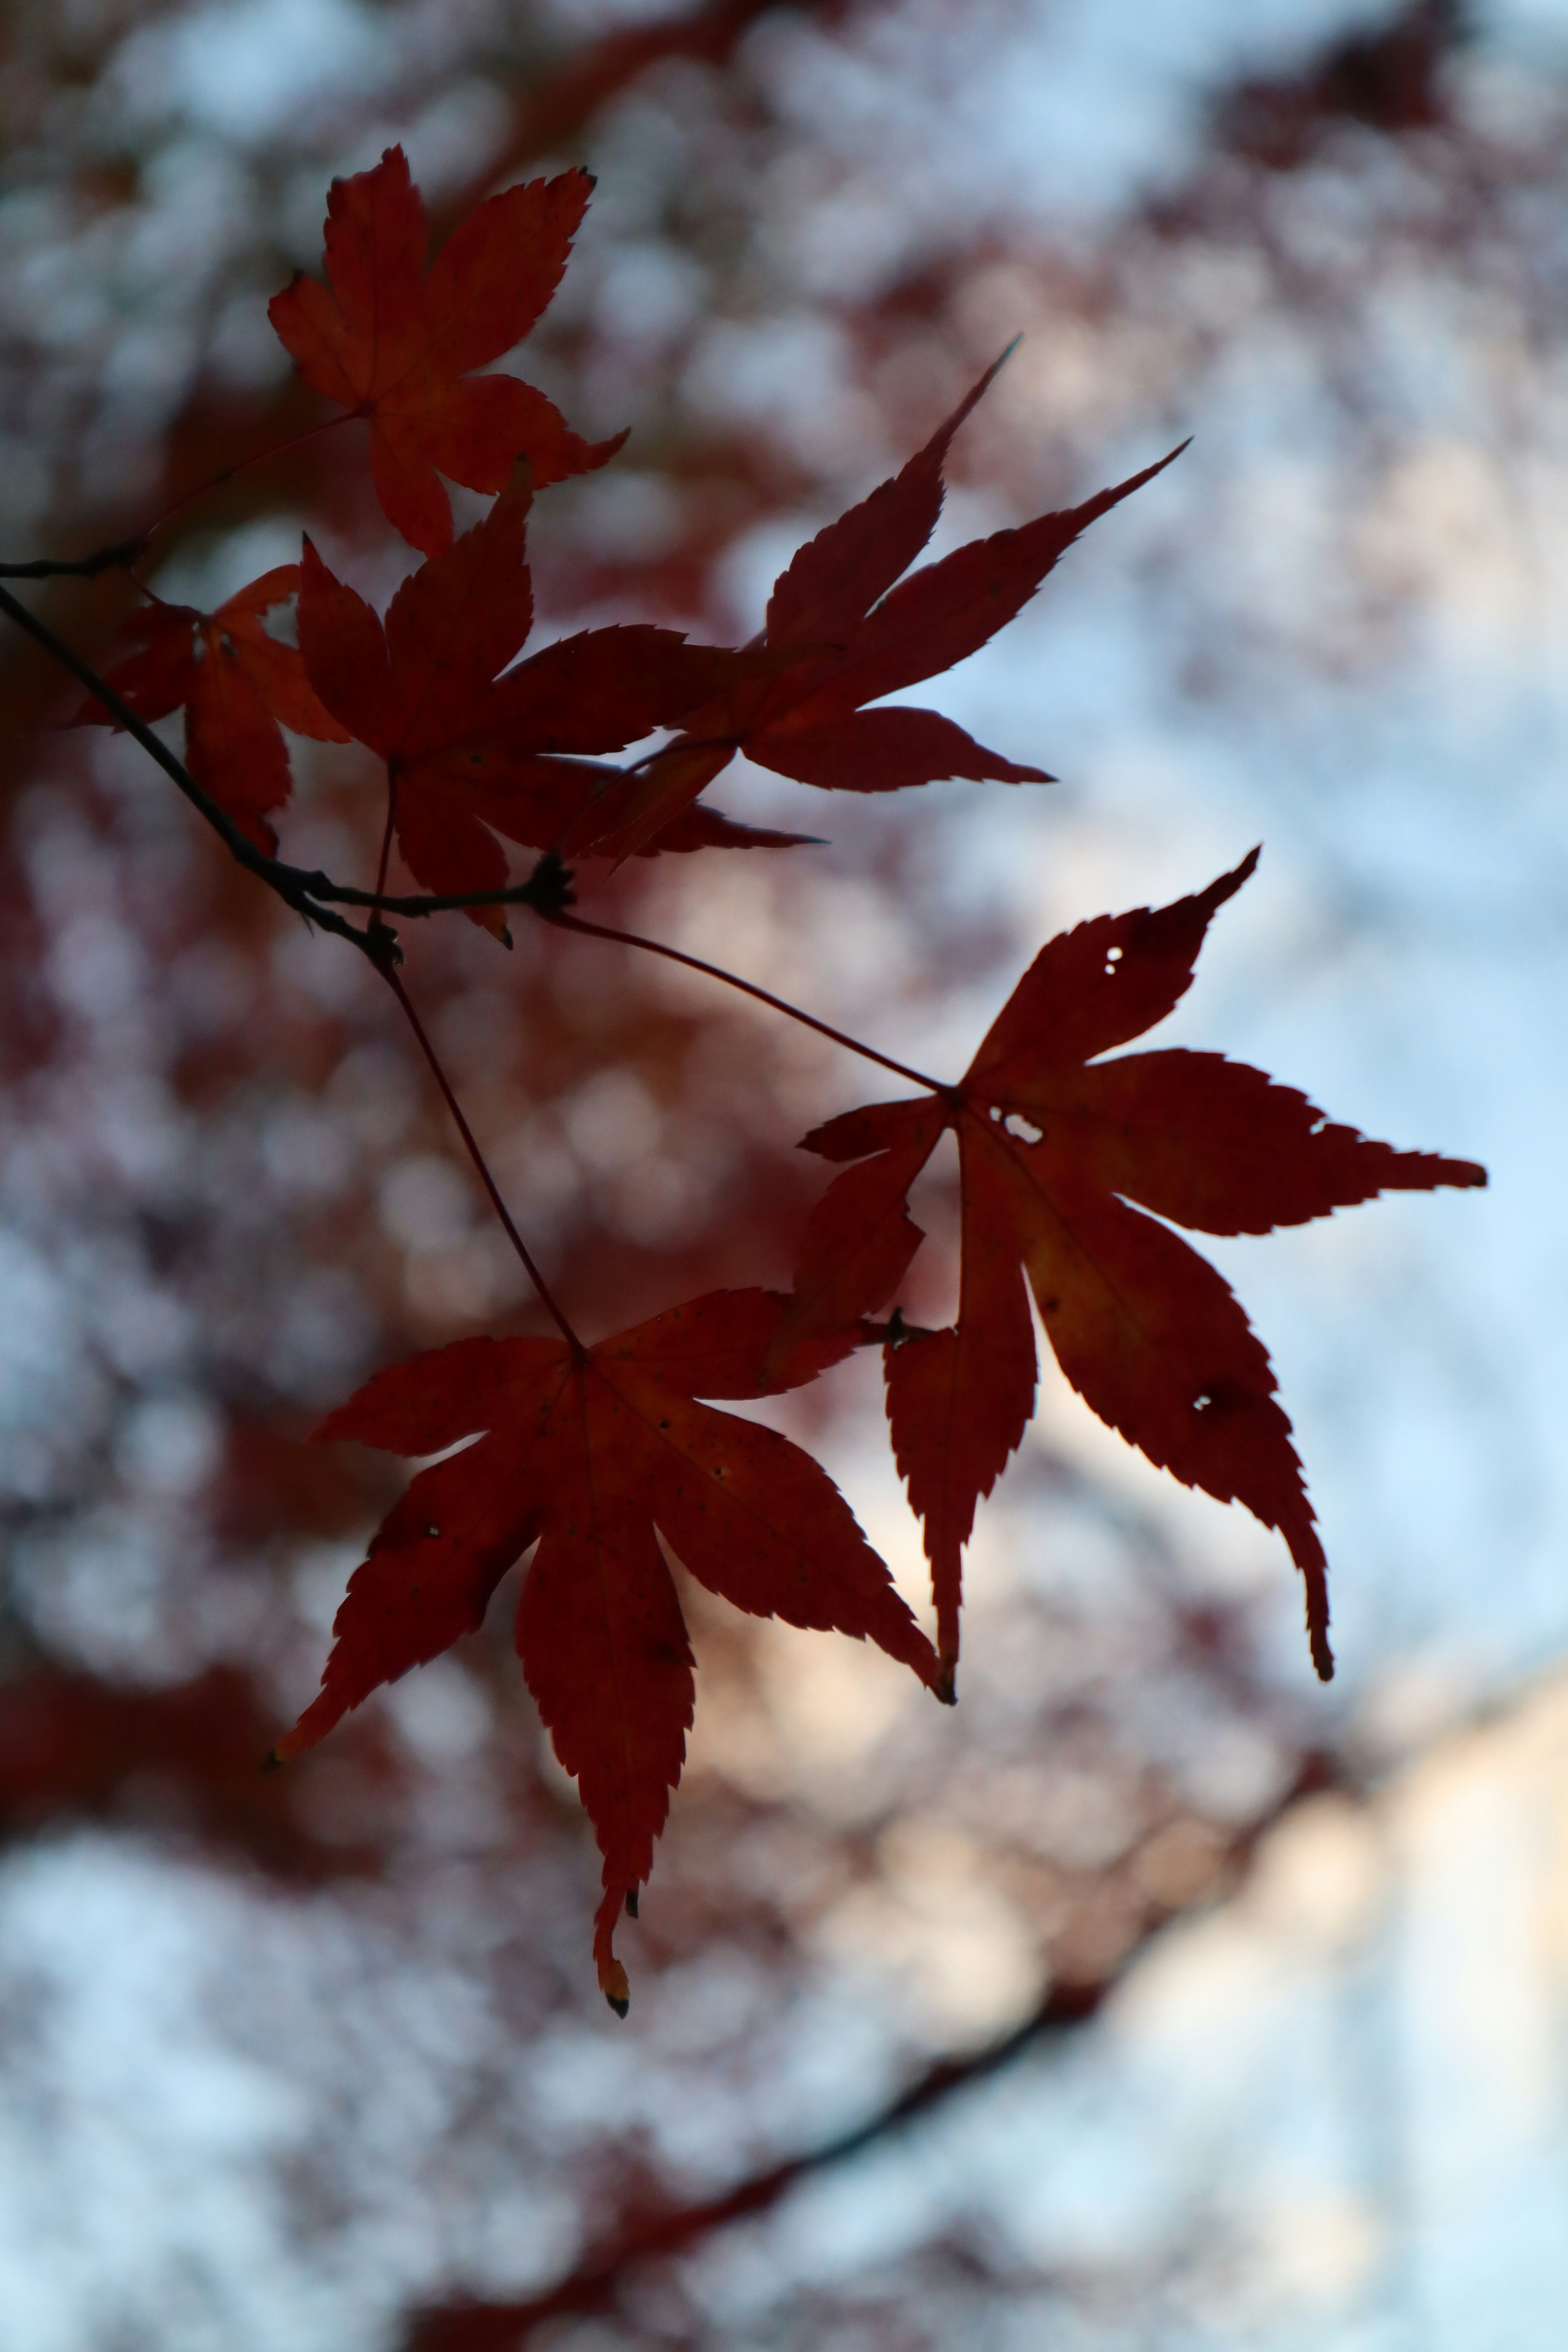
[(1159, 1998)]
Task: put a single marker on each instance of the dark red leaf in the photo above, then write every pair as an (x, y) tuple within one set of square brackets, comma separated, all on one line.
[(805, 720), (586, 1455), (1053, 1148)]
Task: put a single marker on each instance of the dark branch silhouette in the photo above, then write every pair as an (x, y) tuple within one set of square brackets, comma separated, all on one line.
[(640, 2235)]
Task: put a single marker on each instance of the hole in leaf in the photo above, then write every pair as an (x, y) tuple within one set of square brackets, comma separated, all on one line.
[(1112, 958), (1023, 1128)]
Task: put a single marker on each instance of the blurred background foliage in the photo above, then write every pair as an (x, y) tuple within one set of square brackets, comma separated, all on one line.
[(916, 2055)]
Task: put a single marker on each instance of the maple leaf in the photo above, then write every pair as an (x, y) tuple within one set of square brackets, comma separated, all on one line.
[(1055, 1147), (236, 683), (845, 634), (586, 1452), (399, 346), (470, 752)]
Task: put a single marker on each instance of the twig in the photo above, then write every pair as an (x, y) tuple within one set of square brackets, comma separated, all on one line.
[(118, 558), (547, 889)]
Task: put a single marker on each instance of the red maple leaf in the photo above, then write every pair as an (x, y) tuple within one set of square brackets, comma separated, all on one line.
[(844, 636), (588, 1453), (399, 346), (471, 753), (235, 683), (1054, 1149)]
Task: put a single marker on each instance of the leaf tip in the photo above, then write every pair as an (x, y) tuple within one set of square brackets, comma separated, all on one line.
[(270, 1762), (1307, 1554), (615, 1988), (631, 1903)]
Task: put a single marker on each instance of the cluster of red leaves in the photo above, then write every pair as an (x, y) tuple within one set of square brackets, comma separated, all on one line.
[(601, 1460)]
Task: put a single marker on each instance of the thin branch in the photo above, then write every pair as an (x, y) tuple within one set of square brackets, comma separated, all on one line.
[(639, 2236)]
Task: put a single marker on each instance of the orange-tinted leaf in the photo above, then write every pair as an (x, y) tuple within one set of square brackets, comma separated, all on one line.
[(397, 347), (587, 1455), (1053, 1150), (237, 683), (276, 670), (157, 675), (233, 746)]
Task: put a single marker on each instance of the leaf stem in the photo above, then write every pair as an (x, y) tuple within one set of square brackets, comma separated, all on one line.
[(243, 466), (377, 923), (389, 973), (565, 923)]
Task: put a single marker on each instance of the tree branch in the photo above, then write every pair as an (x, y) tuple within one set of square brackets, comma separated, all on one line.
[(639, 2236)]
